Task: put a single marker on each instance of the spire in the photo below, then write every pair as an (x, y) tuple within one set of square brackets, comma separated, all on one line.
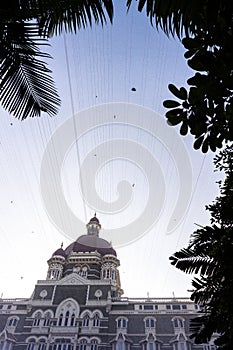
[(93, 226)]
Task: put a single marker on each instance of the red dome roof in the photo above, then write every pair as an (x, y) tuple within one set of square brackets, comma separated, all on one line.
[(88, 243), (59, 252)]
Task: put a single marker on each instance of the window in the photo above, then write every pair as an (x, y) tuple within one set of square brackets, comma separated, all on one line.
[(180, 346), (209, 347), (72, 322), (150, 323), (96, 321), (121, 344), (31, 344), (109, 272), (94, 344), (148, 307), (67, 316), (168, 307), (86, 320), (62, 344), (12, 322), (47, 319), (150, 345), (121, 323), (37, 318), (66, 313), (178, 323), (5, 345), (81, 271), (59, 321), (83, 344), (184, 307), (175, 307), (41, 344)]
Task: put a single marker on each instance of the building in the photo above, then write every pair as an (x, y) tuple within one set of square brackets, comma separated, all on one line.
[(80, 307)]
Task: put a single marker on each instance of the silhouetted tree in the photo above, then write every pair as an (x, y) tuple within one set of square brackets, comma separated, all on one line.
[(26, 86), (205, 28), (209, 254)]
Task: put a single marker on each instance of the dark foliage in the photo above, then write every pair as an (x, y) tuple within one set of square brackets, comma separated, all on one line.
[(205, 27), (26, 86), (209, 254)]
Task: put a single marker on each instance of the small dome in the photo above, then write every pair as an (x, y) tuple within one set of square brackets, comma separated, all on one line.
[(94, 219), (59, 252)]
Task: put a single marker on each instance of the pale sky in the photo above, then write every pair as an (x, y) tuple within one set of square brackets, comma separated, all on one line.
[(97, 67)]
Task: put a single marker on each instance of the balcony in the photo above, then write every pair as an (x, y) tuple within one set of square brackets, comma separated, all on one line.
[(64, 330)]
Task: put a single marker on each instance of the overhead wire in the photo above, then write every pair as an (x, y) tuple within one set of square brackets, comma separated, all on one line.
[(74, 121)]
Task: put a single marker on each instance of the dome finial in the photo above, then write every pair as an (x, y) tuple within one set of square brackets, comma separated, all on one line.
[(61, 244)]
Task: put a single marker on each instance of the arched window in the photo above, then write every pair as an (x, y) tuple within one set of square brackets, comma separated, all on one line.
[(150, 323), (121, 343), (37, 318), (96, 321), (94, 344), (31, 344), (72, 321), (83, 344), (67, 312), (84, 272), (151, 343), (62, 344), (86, 320), (60, 319), (121, 323), (178, 323), (67, 316), (47, 319), (41, 344), (12, 322)]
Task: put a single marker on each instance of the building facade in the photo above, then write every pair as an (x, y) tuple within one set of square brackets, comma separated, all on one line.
[(80, 307)]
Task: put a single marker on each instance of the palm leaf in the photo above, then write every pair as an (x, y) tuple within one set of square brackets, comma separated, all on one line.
[(26, 87), (71, 15), (176, 17), (188, 261)]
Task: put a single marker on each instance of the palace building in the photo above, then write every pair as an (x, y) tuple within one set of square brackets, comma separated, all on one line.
[(79, 306)]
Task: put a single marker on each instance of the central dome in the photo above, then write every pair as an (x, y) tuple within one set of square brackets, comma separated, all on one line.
[(88, 243), (91, 242)]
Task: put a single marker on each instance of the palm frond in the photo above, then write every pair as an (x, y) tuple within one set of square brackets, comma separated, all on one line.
[(178, 17), (173, 17), (70, 16), (26, 87), (188, 261)]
